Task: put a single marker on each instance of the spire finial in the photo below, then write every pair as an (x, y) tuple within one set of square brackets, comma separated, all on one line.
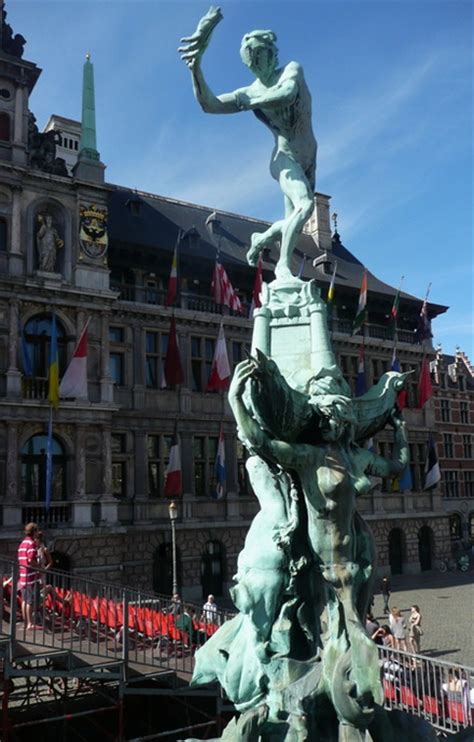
[(334, 219), (88, 56), (88, 148)]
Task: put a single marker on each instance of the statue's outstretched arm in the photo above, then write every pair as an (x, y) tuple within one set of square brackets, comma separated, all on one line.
[(192, 52), (380, 467), (249, 431)]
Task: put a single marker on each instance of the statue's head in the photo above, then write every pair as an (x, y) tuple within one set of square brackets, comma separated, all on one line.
[(259, 52), (336, 417)]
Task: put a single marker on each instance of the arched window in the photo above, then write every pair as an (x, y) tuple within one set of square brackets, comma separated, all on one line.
[(33, 469), (4, 127), (37, 333), (455, 526), (3, 234)]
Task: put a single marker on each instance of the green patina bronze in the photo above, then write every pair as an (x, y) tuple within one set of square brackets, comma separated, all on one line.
[(88, 144), (296, 660)]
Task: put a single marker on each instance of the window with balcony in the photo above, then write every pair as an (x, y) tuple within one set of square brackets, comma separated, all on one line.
[(35, 355), (202, 353), (448, 445), (445, 410), (205, 453), (33, 470), (451, 484), (464, 412)]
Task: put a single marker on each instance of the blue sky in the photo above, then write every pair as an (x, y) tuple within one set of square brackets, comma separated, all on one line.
[(392, 99)]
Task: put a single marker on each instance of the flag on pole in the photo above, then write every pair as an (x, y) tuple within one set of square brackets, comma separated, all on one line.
[(173, 370), (406, 480), (222, 290), (221, 474), (424, 389), (172, 291), (395, 366), (361, 315), (361, 382), (257, 288), (173, 476), (53, 374), (432, 472), (423, 329), (220, 370), (303, 263), (25, 354), (74, 381), (48, 491), (332, 284), (394, 311)]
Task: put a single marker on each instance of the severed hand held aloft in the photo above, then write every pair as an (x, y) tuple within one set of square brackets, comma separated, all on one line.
[(197, 43)]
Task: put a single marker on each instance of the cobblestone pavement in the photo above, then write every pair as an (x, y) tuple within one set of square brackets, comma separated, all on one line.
[(446, 602)]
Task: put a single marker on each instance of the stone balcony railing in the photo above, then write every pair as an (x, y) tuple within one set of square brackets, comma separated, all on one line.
[(188, 300)]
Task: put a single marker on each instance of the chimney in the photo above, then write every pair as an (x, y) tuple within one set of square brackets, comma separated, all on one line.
[(319, 225)]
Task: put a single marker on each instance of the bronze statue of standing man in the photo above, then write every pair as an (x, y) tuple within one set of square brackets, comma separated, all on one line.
[(279, 97)]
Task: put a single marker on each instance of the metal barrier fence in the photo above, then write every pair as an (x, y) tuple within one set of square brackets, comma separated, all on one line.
[(111, 624), (104, 621), (438, 691)]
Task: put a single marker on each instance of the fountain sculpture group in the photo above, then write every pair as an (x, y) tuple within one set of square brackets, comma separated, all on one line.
[(296, 660)]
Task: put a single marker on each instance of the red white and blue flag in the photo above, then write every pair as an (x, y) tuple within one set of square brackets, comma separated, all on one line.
[(221, 474), (222, 290), (219, 377)]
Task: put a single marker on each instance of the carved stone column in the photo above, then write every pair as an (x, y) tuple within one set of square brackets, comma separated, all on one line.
[(13, 373), (80, 478), (107, 464), (106, 390), (16, 259), (12, 462)]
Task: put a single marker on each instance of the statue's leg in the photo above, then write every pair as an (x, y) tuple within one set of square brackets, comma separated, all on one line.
[(295, 187), (260, 240)]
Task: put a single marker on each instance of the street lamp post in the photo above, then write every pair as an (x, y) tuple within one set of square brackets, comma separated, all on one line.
[(173, 513)]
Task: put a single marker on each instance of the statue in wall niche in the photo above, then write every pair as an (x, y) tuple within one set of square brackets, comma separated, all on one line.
[(280, 99), (49, 242)]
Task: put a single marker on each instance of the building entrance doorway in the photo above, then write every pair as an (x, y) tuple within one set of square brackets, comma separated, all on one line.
[(211, 569), (395, 551), (425, 548)]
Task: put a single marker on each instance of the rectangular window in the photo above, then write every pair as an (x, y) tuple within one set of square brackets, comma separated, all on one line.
[(118, 443), (451, 484), (119, 478), (445, 411), (116, 334), (242, 476), (158, 448), (202, 353), (156, 345), (464, 412), (469, 483), (205, 452), (116, 363), (448, 445), (467, 446)]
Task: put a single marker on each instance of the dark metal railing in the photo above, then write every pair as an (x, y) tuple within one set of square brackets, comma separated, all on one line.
[(56, 515)]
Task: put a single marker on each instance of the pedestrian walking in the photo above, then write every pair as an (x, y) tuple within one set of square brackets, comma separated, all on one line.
[(398, 626), (385, 589), (30, 579), (415, 632)]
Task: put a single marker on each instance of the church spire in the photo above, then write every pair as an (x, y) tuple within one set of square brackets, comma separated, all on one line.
[(88, 166)]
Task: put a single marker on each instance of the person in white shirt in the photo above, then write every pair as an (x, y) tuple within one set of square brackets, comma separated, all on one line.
[(209, 610)]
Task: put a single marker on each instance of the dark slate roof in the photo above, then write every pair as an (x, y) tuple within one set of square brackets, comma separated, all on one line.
[(160, 219)]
